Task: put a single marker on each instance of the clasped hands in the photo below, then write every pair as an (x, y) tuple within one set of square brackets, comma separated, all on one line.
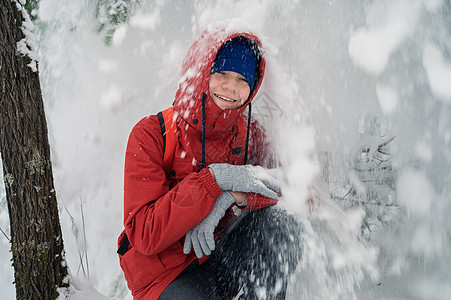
[(230, 178)]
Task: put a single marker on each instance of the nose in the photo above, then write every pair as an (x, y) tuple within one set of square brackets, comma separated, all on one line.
[(230, 85)]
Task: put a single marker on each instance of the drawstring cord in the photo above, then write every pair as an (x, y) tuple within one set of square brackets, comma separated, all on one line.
[(202, 164), (247, 134)]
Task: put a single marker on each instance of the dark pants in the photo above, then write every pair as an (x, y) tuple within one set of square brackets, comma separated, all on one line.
[(256, 257)]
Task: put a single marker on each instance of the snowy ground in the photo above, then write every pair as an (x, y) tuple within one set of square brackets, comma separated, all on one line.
[(343, 78)]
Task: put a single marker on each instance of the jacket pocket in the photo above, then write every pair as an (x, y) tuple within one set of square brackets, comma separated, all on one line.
[(172, 256), (140, 269), (181, 167)]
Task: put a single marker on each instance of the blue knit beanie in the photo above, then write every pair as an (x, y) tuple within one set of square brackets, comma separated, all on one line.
[(239, 55)]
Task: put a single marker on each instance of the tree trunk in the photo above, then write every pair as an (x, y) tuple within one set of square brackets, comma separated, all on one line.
[(36, 241)]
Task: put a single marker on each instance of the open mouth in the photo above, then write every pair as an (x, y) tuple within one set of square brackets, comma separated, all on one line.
[(226, 99)]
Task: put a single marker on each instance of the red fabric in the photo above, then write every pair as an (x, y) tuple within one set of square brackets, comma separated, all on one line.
[(160, 208)]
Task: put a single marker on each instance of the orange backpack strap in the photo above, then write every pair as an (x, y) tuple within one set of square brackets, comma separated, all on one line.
[(169, 132)]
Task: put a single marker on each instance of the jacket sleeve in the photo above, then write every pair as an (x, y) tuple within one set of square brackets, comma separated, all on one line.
[(155, 217)]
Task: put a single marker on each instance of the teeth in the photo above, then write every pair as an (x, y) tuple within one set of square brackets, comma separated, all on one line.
[(226, 99)]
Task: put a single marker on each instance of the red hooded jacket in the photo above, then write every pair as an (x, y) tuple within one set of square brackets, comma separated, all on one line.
[(160, 208)]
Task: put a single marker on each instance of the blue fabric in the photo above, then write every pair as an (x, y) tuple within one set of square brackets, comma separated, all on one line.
[(196, 284), (239, 55)]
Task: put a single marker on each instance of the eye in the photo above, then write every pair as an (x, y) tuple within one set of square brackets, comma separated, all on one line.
[(243, 81)]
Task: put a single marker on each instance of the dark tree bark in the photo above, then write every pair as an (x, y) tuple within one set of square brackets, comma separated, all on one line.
[(36, 241)]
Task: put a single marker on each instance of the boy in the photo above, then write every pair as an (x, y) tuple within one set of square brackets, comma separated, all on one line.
[(176, 211)]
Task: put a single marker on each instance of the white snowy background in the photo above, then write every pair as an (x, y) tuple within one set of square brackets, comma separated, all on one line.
[(343, 78)]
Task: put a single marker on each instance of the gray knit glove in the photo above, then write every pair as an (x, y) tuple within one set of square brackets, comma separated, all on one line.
[(201, 236), (247, 178)]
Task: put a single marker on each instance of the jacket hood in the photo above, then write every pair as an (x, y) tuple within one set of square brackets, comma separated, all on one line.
[(194, 83)]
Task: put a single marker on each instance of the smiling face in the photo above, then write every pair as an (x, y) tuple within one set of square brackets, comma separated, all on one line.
[(228, 89)]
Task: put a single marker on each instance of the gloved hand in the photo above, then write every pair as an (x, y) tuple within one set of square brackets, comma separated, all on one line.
[(201, 236), (247, 178)]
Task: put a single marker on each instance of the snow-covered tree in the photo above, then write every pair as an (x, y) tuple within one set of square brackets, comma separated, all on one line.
[(36, 241)]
